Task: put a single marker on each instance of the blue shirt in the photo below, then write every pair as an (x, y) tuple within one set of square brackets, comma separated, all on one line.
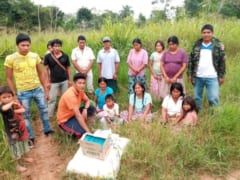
[(139, 104), (101, 96)]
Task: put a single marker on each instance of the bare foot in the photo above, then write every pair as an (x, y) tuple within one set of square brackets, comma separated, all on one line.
[(27, 159), (20, 168)]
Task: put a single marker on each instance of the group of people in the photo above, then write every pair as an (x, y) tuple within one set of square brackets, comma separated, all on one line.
[(75, 112)]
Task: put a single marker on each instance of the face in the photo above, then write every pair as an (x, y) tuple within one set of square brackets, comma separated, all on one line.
[(80, 84), (6, 98), (186, 107), (56, 48), (102, 85), (172, 46), (81, 44), (159, 47), (109, 103), (106, 44), (24, 47), (138, 89), (49, 48), (207, 35), (175, 94), (137, 46)]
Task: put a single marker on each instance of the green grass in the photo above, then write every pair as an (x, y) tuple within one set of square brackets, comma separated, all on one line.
[(155, 152)]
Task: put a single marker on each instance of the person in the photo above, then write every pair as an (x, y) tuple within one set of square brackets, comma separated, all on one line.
[(139, 105), (108, 63), (111, 112), (137, 62), (172, 104), (173, 65), (156, 75), (189, 112), (24, 66), (58, 74), (15, 127), (83, 60), (70, 117), (49, 47), (101, 93), (206, 67)]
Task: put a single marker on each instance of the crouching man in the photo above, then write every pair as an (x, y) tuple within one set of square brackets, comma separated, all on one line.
[(70, 117)]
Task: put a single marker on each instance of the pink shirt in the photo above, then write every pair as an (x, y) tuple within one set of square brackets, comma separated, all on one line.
[(137, 60), (190, 119)]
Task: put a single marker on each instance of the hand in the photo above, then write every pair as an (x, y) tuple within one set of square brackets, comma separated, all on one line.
[(220, 81), (174, 79), (47, 97), (115, 76), (168, 80), (48, 85)]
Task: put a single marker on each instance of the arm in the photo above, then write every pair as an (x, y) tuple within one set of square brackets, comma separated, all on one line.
[(41, 78), (150, 65), (9, 74), (116, 70), (164, 114), (19, 108), (99, 69), (48, 83), (222, 65), (69, 76), (7, 106), (130, 112)]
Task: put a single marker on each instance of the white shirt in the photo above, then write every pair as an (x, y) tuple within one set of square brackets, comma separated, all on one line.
[(83, 57), (108, 60), (205, 66), (111, 112), (172, 107)]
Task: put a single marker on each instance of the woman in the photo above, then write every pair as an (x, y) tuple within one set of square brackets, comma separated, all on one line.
[(173, 65), (137, 62)]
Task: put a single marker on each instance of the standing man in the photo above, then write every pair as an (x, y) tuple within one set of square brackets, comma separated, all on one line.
[(70, 118), (82, 58), (24, 66), (58, 73), (108, 63), (206, 66)]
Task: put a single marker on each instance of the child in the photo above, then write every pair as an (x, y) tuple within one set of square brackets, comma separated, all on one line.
[(172, 104), (14, 126), (156, 75), (189, 112), (100, 94), (111, 112), (139, 105)]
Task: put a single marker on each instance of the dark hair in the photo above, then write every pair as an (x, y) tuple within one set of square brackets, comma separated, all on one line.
[(207, 26), (56, 41), (49, 43), (177, 86), (173, 39), (78, 76), (137, 40), (81, 37), (189, 100), (5, 89), (102, 79), (160, 42), (110, 97), (143, 87), (22, 37)]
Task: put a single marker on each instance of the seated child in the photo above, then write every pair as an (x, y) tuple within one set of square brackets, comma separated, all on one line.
[(172, 104), (110, 112), (189, 112), (15, 126)]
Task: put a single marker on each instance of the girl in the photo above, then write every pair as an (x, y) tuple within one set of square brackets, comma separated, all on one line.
[(139, 105), (154, 66), (189, 112), (15, 127), (101, 93), (137, 61), (171, 106), (173, 65)]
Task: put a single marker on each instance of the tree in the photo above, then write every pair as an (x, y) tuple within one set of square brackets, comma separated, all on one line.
[(193, 7), (126, 11), (84, 16), (141, 19)]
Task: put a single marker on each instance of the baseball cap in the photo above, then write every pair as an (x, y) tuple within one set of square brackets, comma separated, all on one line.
[(106, 39)]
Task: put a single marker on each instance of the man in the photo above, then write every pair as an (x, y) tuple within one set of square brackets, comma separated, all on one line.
[(82, 58), (24, 66), (69, 117), (58, 73), (108, 63), (206, 66)]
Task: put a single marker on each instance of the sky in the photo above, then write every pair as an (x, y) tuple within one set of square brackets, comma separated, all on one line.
[(71, 6)]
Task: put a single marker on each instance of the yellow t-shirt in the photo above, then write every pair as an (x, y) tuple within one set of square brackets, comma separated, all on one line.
[(24, 70)]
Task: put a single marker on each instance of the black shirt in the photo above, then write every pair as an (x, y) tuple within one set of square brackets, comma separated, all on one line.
[(57, 74)]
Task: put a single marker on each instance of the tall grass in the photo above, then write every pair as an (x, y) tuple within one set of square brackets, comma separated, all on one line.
[(155, 152)]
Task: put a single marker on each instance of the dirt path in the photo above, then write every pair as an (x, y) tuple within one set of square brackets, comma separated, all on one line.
[(47, 165)]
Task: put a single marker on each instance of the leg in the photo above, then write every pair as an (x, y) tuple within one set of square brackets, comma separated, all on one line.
[(53, 98), (131, 81), (198, 91), (63, 87), (25, 99), (39, 98), (90, 82), (212, 90)]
